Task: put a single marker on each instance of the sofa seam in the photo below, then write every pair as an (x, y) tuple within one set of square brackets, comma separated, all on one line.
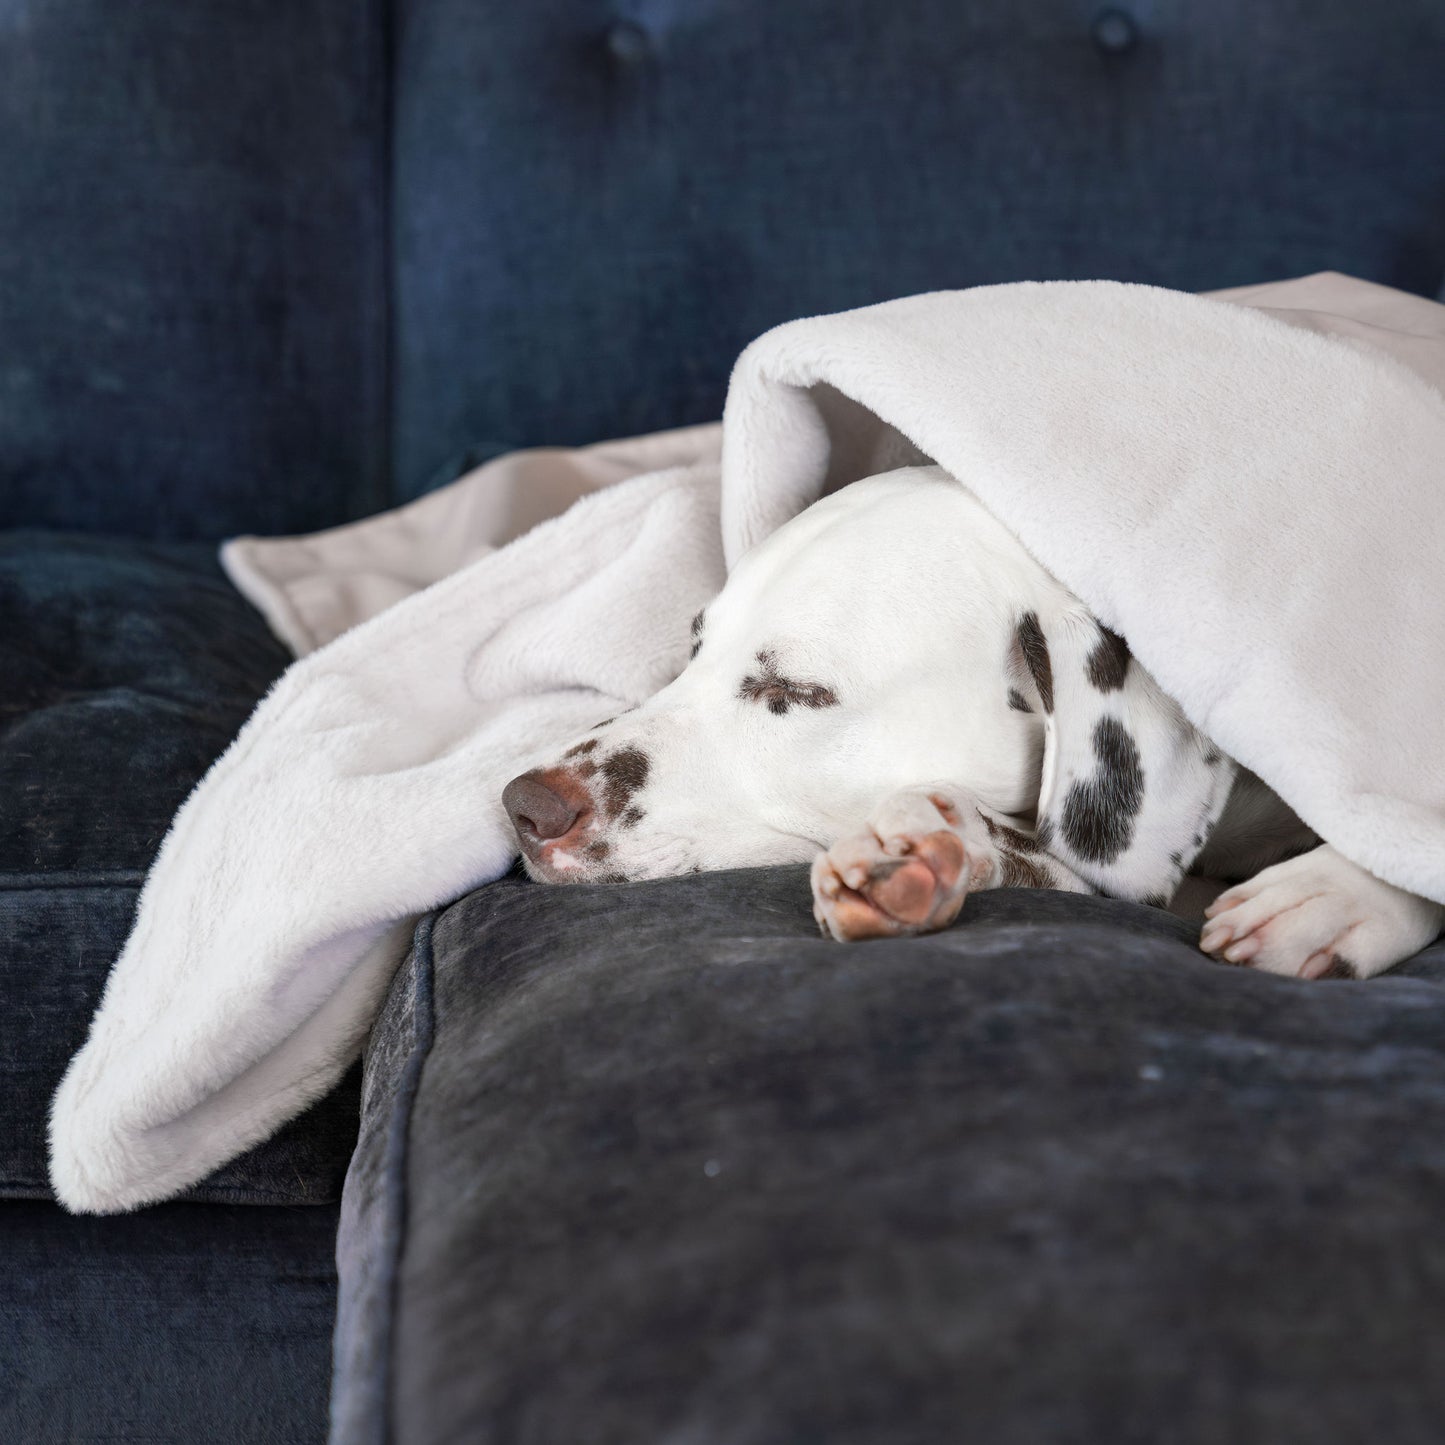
[(80, 880)]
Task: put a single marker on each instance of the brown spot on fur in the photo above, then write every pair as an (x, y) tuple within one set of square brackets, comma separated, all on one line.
[(1036, 657), (1017, 701), (632, 817), (586, 769), (779, 692), (1340, 967), (1109, 661), (624, 772), (1022, 872), (583, 747), (1007, 837), (597, 727), (600, 849)]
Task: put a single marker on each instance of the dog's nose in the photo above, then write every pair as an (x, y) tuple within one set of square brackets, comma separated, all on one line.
[(538, 812)]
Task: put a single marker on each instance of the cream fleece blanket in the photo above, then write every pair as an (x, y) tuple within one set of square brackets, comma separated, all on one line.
[(1252, 494)]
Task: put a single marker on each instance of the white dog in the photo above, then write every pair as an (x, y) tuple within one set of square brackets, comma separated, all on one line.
[(890, 687)]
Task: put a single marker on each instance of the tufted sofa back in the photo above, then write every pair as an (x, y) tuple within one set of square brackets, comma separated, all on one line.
[(264, 268), (193, 330)]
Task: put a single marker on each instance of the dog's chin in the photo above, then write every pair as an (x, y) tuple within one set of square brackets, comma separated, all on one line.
[(541, 872), (535, 871), (587, 870)]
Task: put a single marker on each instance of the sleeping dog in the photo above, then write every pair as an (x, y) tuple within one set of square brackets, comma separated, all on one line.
[(890, 687)]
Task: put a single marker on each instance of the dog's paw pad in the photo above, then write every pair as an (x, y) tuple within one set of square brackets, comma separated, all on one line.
[(867, 887)]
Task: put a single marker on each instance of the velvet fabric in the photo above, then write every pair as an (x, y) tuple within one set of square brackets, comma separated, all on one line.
[(242, 249), (192, 265), (676, 1169), (128, 668), (188, 1323), (371, 1234), (265, 268), (597, 208)]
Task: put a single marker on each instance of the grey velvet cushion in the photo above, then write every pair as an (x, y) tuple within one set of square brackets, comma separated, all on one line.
[(654, 1162)]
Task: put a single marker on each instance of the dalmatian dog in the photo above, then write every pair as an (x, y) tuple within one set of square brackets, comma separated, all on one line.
[(891, 688)]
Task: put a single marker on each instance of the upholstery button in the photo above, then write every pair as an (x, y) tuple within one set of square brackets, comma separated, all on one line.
[(1115, 31), (627, 42)]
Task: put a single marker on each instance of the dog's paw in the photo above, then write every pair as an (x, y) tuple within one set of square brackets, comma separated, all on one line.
[(907, 872), (1317, 916)]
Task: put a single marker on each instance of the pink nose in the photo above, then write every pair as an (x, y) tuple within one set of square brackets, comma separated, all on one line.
[(539, 810)]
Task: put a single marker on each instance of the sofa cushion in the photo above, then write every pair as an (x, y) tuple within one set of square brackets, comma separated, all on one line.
[(655, 1162), (128, 668), (183, 1324)]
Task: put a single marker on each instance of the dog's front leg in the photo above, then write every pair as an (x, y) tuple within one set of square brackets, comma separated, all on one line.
[(922, 853)]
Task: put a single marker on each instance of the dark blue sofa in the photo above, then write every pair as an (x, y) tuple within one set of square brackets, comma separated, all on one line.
[(268, 267)]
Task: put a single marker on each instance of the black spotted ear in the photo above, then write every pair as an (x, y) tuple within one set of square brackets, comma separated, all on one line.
[(1130, 788)]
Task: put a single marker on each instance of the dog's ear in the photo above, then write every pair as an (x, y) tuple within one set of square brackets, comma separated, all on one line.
[(1130, 788)]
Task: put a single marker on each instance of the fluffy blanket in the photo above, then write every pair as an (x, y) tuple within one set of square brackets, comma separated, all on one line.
[(1251, 494)]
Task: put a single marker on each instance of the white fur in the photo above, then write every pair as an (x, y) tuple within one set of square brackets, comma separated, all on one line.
[(883, 623), (902, 596), (1305, 915), (903, 646), (1227, 491)]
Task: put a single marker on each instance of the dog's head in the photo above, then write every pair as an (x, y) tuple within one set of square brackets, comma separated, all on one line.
[(862, 648)]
